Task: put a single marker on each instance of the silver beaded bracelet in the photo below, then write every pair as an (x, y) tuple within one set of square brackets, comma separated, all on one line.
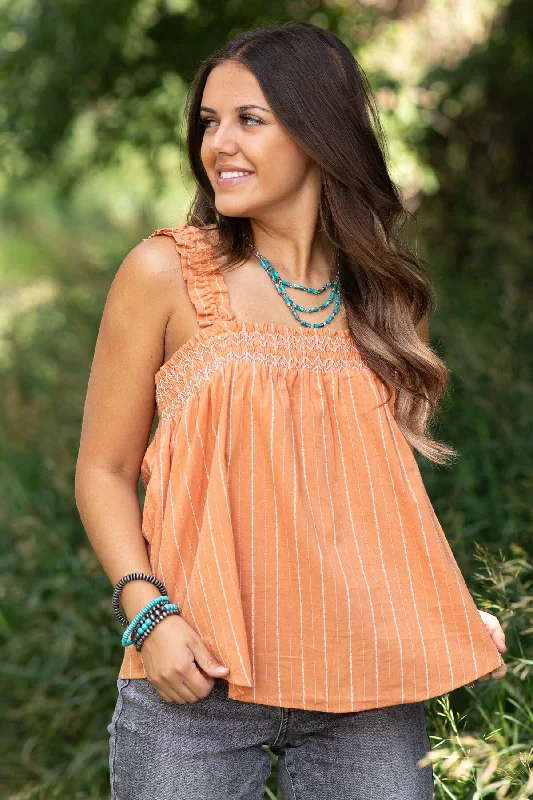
[(156, 614), (133, 576)]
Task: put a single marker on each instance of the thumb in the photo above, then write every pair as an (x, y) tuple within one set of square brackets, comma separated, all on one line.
[(206, 661)]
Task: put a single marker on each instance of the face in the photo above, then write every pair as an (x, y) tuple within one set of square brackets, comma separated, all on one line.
[(252, 140)]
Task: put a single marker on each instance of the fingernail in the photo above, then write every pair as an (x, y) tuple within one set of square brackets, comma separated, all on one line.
[(221, 669)]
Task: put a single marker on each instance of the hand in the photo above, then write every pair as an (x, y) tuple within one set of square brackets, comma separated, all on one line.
[(177, 663), (498, 637)]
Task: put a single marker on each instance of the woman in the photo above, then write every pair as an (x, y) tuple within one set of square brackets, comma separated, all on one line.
[(287, 582)]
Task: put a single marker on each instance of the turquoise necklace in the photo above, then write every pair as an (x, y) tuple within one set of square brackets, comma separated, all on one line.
[(281, 286)]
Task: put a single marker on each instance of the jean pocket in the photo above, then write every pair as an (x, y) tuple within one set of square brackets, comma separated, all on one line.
[(121, 685)]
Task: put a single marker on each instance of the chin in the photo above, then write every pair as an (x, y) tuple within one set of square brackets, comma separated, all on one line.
[(232, 209)]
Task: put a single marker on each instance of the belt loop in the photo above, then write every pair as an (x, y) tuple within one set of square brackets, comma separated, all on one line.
[(282, 727)]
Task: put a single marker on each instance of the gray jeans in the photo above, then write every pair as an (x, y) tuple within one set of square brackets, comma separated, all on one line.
[(211, 749)]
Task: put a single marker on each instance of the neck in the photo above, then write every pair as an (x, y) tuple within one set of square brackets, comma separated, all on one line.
[(298, 254)]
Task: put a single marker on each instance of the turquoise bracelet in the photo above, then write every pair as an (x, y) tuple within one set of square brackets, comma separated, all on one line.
[(146, 626), (125, 640)]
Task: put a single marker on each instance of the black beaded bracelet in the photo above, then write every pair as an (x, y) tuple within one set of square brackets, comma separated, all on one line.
[(154, 613), (165, 613), (133, 576)]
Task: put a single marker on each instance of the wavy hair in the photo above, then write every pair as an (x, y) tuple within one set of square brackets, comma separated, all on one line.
[(322, 97)]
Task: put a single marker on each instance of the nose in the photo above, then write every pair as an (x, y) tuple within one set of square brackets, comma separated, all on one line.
[(223, 139)]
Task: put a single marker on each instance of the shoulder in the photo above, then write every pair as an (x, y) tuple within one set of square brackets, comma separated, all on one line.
[(158, 258), (150, 274), (154, 256), (186, 237)]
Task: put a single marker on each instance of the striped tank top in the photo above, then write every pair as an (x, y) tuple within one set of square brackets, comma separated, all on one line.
[(286, 515)]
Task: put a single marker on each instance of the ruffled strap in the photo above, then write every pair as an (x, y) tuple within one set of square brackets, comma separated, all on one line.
[(205, 283)]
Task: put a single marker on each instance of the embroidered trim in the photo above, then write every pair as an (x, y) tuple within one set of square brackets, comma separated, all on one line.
[(205, 283), (190, 242), (177, 381)]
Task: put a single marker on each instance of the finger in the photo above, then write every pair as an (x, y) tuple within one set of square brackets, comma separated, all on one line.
[(168, 693), (179, 693), (187, 685), (498, 637), (203, 672), (499, 672), (186, 694), (173, 690), (495, 629), (162, 694), (205, 659), (198, 681)]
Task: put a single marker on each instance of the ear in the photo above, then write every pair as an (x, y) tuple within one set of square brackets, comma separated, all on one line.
[(423, 329)]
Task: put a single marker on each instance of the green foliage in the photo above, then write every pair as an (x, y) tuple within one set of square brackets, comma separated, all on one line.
[(485, 750), (58, 645), (92, 98), (118, 69)]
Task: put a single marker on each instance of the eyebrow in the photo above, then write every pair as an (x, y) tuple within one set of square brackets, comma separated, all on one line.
[(237, 108)]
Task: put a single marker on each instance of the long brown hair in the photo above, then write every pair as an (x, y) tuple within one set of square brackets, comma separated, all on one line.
[(321, 96)]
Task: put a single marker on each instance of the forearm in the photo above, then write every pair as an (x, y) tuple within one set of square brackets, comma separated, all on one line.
[(108, 506)]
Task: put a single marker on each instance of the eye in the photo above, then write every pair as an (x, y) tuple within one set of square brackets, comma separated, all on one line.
[(205, 121), (254, 119)]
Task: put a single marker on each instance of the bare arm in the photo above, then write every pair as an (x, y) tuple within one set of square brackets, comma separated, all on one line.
[(118, 414)]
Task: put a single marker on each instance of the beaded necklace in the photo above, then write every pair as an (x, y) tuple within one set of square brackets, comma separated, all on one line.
[(281, 285)]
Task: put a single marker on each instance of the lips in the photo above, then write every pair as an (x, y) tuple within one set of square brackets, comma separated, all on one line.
[(231, 168), (231, 181)]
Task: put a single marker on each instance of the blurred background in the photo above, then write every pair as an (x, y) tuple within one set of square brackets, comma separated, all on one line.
[(92, 161)]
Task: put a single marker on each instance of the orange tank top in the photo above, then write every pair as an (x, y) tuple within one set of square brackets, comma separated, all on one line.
[(286, 515)]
